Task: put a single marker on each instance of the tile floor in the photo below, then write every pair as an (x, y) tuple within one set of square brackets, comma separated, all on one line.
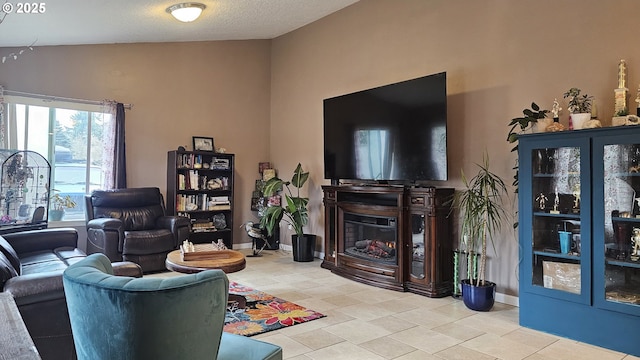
[(365, 322)]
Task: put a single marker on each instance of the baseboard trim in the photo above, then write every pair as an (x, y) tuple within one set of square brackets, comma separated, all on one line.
[(508, 299), (500, 297)]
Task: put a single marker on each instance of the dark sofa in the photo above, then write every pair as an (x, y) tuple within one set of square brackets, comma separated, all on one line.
[(31, 266)]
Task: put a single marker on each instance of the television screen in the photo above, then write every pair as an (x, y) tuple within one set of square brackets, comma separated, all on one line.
[(395, 132)]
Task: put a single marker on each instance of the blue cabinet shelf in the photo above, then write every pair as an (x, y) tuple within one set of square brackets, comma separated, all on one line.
[(586, 193)]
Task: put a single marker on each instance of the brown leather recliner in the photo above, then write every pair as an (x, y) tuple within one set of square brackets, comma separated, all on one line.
[(31, 266), (131, 225)]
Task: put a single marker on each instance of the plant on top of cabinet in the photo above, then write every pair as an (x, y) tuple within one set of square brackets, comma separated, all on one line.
[(481, 216), (579, 106), (530, 118), (578, 103)]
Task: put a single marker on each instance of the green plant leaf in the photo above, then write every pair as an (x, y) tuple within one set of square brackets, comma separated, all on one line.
[(272, 218), (272, 186), (299, 177)]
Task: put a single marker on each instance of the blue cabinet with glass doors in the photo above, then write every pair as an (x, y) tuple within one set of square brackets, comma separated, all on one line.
[(579, 216)]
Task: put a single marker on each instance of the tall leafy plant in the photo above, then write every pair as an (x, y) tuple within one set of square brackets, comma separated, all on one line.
[(481, 214), (295, 210)]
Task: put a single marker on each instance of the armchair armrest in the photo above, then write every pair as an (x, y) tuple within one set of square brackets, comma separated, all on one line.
[(35, 288), (47, 286), (106, 235), (44, 239), (127, 268), (178, 225), (106, 224)]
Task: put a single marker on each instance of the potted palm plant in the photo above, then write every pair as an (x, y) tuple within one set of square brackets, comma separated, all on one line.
[(294, 212), (480, 205), (58, 204)]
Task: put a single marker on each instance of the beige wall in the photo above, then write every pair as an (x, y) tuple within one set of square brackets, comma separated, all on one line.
[(499, 55), (178, 90)]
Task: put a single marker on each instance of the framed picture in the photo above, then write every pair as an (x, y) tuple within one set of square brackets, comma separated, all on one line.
[(263, 165), (202, 143)]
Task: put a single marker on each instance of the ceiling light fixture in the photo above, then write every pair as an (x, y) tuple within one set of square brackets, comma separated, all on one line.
[(186, 12)]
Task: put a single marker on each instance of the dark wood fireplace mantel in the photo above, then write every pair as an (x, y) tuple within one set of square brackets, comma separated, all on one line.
[(406, 230)]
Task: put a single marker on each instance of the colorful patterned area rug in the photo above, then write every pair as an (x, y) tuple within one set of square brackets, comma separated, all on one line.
[(263, 312)]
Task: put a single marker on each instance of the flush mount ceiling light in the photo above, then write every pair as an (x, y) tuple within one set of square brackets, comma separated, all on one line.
[(186, 12)]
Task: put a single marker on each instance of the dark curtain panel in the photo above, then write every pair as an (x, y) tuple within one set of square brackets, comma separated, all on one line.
[(120, 159)]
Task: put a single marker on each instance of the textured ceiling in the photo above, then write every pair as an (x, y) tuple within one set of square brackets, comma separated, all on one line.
[(70, 22)]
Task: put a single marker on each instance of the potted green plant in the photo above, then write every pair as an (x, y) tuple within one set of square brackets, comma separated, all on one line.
[(518, 126), (579, 107), (294, 212), (480, 206), (58, 204)]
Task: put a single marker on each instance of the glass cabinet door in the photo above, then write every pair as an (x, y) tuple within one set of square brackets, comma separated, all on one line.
[(617, 274), (417, 246), (557, 220)]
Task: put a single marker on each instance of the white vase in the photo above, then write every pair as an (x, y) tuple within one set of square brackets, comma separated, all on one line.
[(578, 120)]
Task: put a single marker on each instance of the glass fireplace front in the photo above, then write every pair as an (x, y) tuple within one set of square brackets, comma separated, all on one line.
[(371, 237)]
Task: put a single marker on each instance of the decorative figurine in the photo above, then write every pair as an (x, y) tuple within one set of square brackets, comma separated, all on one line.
[(555, 110), (638, 101), (635, 240), (622, 70), (576, 201), (542, 201), (556, 203), (187, 246), (219, 245), (621, 91)]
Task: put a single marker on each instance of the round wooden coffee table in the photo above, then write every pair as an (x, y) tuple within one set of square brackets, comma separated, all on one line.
[(234, 262)]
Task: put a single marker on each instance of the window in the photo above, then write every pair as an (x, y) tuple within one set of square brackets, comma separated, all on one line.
[(71, 136)]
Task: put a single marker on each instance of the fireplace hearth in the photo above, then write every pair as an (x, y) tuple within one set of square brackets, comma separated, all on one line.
[(374, 250), (393, 237)]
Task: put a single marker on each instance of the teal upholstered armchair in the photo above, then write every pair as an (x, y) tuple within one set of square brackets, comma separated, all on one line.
[(115, 317)]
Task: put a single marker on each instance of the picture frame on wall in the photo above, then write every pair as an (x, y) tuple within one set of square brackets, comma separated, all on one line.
[(201, 143)]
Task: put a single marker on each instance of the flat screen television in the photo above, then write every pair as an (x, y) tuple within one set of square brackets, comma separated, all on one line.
[(392, 133)]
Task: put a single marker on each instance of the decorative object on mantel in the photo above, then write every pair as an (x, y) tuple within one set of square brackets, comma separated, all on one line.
[(638, 101), (592, 124), (580, 108), (621, 91), (555, 126)]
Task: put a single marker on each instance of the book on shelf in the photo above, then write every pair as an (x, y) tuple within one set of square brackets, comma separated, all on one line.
[(202, 202)]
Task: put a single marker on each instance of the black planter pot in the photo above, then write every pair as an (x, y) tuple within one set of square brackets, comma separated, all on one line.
[(478, 298), (303, 247)]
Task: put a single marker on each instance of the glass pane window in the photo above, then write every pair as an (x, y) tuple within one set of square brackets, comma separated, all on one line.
[(556, 232), (622, 223), (70, 136)]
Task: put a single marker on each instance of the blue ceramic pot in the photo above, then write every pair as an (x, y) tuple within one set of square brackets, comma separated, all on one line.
[(478, 298)]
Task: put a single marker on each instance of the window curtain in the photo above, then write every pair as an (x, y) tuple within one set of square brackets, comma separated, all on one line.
[(3, 122), (115, 164)]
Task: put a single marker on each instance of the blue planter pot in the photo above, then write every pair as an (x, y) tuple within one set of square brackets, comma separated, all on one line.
[(478, 298)]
